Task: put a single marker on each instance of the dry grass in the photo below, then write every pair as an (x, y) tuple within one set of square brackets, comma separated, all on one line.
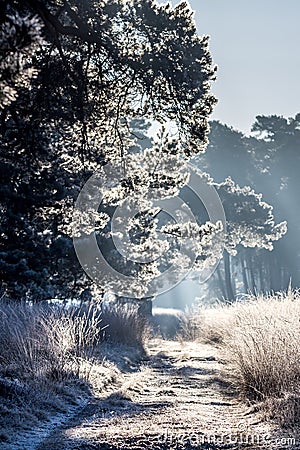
[(46, 357), (52, 357), (260, 337), (46, 342), (264, 345), (122, 324), (207, 325)]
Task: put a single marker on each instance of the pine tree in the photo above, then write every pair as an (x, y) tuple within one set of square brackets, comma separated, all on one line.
[(75, 75)]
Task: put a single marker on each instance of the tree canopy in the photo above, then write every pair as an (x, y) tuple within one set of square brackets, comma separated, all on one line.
[(74, 76)]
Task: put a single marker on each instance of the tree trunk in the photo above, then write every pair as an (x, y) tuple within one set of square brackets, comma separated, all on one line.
[(143, 306), (228, 280), (274, 274), (252, 276), (261, 278), (244, 274), (221, 282)]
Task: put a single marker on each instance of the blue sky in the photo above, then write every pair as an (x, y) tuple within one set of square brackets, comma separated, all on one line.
[(255, 44)]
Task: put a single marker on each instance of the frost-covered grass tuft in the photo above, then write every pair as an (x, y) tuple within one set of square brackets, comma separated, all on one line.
[(53, 357), (44, 342), (260, 337), (46, 359), (123, 324)]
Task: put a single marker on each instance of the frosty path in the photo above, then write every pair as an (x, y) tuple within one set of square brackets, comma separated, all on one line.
[(177, 399)]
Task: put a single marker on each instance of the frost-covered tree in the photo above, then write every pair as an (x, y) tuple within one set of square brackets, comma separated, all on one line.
[(268, 161), (228, 154), (250, 226), (85, 71)]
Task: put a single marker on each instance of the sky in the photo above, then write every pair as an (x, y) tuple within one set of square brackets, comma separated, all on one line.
[(255, 44)]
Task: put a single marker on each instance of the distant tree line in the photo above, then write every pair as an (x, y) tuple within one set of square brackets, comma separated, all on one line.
[(269, 162)]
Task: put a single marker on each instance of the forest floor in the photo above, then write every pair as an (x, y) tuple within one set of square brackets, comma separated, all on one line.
[(178, 397)]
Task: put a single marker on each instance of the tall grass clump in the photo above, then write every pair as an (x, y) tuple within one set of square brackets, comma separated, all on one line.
[(40, 341), (122, 324), (46, 358), (264, 347), (260, 337), (52, 356), (205, 324)]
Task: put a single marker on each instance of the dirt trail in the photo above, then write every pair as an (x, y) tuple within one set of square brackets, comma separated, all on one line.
[(176, 399)]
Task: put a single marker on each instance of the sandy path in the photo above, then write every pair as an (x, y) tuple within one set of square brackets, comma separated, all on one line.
[(176, 399)]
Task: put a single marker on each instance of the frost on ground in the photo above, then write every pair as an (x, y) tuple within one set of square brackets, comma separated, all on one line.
[(31, 438), (176, 397)]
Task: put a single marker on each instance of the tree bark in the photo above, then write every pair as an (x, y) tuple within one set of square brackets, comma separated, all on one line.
[(228, 280), (261, 278), (221, 282), (244, 274), (252, 276)]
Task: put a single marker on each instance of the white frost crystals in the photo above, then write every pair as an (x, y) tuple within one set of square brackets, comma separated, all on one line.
[(152, 239)]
